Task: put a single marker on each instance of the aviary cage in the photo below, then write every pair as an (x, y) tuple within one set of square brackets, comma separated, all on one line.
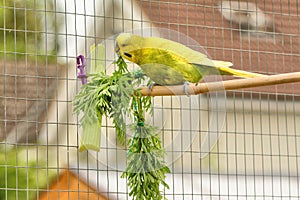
[(225, 144)]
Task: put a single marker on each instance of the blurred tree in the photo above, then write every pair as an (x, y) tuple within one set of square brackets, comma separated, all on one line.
[(21, 176), (28, 28)]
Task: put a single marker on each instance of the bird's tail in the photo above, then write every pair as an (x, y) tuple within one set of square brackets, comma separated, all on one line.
[(224, 69)]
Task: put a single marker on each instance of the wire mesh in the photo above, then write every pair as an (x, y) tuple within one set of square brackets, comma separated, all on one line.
[(257, 154)]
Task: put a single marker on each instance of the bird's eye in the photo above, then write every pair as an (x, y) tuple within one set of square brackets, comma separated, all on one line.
[(124, 45), (128, 55)]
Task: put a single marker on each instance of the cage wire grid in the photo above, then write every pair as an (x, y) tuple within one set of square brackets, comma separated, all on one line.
[(257, 154)]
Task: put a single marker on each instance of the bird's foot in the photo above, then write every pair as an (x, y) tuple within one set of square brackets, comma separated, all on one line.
[(150, 86), (185, 88)]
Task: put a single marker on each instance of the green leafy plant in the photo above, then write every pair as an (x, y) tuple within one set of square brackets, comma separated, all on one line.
[(21, 178), (146, 168), (117, 96), (106, 95), (23, 30)]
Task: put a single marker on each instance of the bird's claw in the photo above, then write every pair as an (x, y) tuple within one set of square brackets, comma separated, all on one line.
[(185, 88), (150, 87)]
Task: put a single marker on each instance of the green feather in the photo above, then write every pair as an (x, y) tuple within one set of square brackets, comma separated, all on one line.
[(170, 63)]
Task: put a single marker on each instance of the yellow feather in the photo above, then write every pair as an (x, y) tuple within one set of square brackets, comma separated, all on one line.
[(238, 73), (167, 62)]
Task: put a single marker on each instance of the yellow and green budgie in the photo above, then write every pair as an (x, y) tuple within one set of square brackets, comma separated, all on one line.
[(170, 63)]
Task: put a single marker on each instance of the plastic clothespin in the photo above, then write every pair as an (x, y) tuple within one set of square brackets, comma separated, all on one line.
[(81, 65)]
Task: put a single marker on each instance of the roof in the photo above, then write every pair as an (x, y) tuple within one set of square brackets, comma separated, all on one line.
[(274, 52)]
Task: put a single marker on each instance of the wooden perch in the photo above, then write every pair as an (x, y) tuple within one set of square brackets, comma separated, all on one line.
[(222, 85)]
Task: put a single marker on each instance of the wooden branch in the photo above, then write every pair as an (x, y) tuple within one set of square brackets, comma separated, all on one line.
[(222, 85)]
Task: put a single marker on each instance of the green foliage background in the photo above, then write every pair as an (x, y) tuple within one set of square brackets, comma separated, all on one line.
[(23, 28), (21, 177)]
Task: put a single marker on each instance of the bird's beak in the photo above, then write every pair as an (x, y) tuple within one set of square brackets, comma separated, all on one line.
[(117, 49)]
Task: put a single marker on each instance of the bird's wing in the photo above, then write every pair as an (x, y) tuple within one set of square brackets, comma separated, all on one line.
[(181, 50)]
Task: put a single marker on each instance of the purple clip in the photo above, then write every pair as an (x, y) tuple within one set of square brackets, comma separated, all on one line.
[(81, 65)]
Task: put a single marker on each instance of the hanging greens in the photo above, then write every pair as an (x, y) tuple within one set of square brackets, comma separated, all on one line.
[(116, 96)]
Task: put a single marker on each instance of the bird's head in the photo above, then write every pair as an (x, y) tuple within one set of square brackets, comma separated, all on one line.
[(127, 44)]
